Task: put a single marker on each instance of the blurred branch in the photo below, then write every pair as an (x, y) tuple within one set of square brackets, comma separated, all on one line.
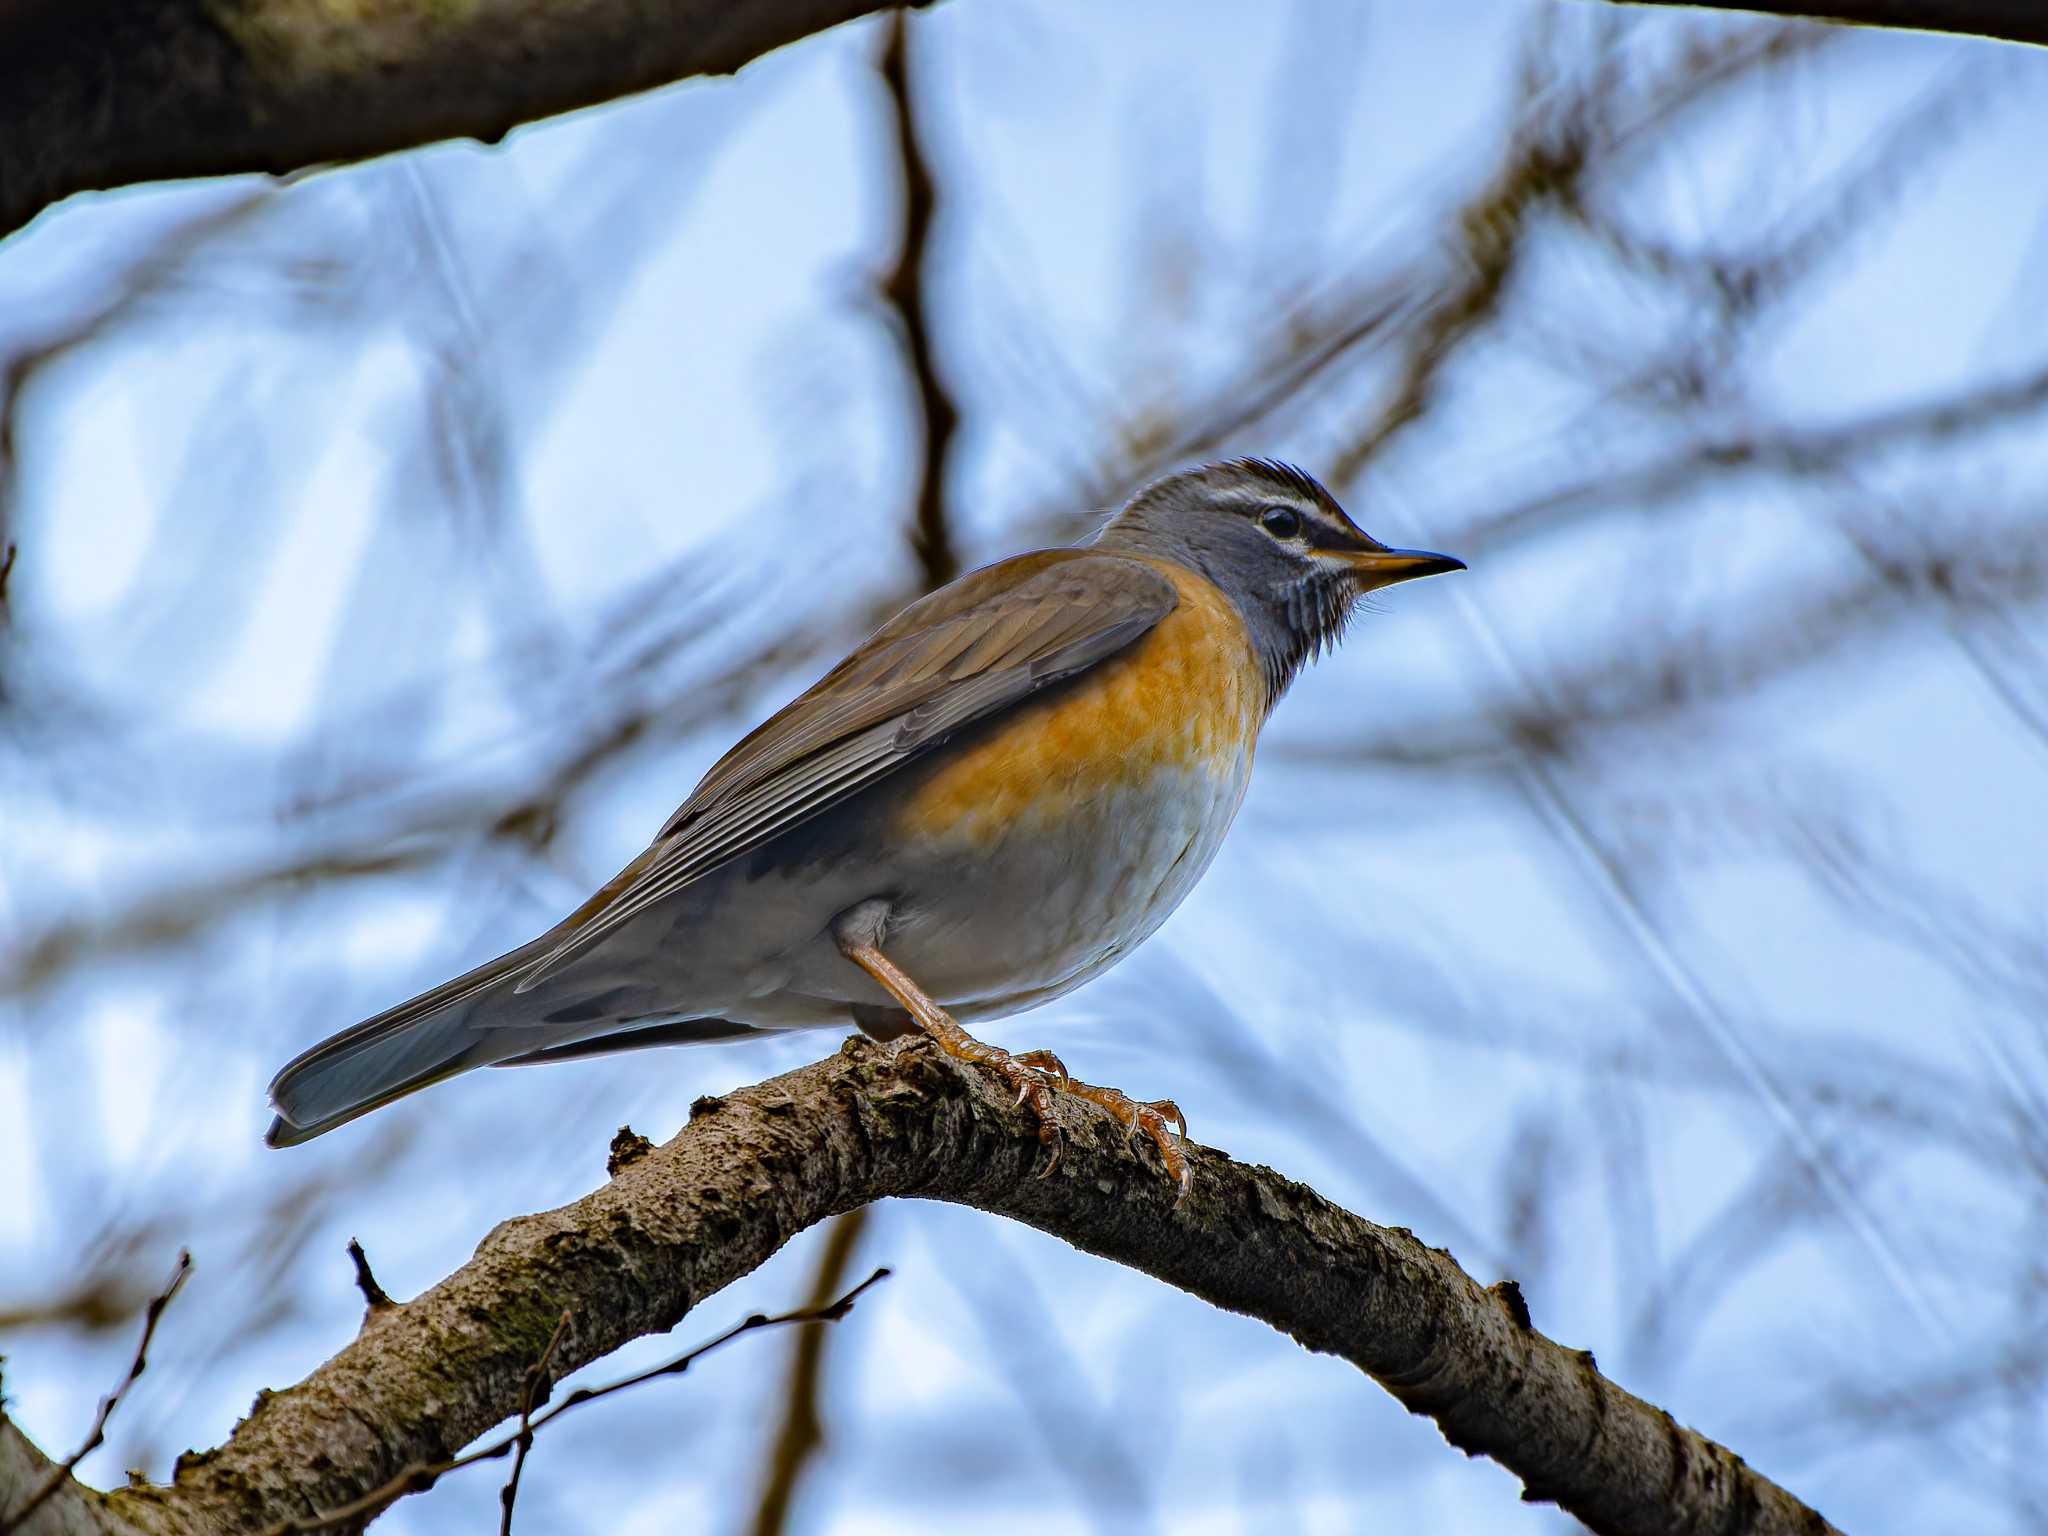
[(106, 94), (1779, 631), (1571, 128), (2012, 21), (180, 912), (1544, 165), (418, 826), (1792, 452), (904, 289), (1563, 142), (802, 1434), (871, 1122)]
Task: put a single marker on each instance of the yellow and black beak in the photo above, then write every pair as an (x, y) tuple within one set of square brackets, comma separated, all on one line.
[(1382, 567)]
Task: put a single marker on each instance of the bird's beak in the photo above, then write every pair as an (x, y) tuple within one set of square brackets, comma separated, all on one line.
[(1374, 568)]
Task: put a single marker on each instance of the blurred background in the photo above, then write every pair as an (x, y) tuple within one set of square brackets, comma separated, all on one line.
[(1657, 914)]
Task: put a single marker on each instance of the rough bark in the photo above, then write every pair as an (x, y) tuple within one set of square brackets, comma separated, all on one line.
[(750, 1171), (2011, 21), (106, 93)]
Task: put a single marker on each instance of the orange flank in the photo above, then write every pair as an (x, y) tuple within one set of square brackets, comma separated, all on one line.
[(1189, 694)]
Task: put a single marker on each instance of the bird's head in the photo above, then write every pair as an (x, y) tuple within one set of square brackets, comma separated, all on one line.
[(1277, 544)]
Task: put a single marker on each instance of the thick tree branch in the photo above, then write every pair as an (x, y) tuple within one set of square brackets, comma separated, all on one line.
[(2012, 21), (106, 93), (870, 1122)]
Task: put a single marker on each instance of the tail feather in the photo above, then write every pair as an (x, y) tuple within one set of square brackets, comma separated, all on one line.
[(476, 1020), (682, 1032), (422, 1041), (287, 1133)]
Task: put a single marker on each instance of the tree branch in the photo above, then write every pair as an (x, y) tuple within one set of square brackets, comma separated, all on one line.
[(15, 1517), (802, 1435), (2012, 21), (872, 1122), (906, 292), (105, 93)]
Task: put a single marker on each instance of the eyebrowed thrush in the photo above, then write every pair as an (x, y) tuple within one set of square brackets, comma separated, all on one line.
[(994, 798)]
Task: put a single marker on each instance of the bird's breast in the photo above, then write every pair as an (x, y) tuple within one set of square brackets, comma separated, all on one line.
[(1057, 838), (1181, 705)]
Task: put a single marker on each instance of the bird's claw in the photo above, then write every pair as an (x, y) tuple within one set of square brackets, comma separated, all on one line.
[(1037, 1075), (1046, 1062), (1160, 1120)]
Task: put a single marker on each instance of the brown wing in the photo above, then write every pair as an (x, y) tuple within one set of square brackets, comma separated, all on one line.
[(989, 640)]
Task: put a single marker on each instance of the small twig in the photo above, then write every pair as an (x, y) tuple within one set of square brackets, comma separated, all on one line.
[(531, 1396), (421, 1476), (59, 1474), (6, 570), (374, 1296)]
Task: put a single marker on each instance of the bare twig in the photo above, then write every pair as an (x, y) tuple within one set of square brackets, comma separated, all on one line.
[(1564, 139), (421, 1476), (59, 1474), (374, 1296), (538, 1385), (802, 1434)]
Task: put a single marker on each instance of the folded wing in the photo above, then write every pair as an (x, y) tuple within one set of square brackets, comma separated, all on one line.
[(984, 643)]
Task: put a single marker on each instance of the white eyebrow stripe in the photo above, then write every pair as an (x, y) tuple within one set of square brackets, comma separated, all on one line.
[(1253, 497), (1310, 511)]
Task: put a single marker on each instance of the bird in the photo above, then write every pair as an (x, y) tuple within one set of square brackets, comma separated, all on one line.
[(990, 801)]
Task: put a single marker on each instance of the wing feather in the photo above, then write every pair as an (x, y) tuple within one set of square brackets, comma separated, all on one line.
[(987, 642)]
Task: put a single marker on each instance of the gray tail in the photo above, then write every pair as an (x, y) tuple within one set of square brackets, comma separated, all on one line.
[(402, 1050), (644, 1037)]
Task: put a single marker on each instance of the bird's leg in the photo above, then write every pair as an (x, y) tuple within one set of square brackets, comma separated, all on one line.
[(1031, 1077), (1031, 1073)]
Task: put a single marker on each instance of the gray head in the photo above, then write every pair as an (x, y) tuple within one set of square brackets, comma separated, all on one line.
[(1277, 544)]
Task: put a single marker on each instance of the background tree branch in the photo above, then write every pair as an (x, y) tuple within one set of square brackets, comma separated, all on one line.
[(2013, 21), (802, 1433), (753, 1169), (104, 94)]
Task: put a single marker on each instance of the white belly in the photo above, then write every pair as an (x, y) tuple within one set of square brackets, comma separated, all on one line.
[(997, 929)]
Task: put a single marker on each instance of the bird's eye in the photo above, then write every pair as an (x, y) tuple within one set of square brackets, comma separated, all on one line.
[(1281, 522)]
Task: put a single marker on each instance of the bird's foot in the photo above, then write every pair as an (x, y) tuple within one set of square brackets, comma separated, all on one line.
[(1036, 1075), (1160, 1119)]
